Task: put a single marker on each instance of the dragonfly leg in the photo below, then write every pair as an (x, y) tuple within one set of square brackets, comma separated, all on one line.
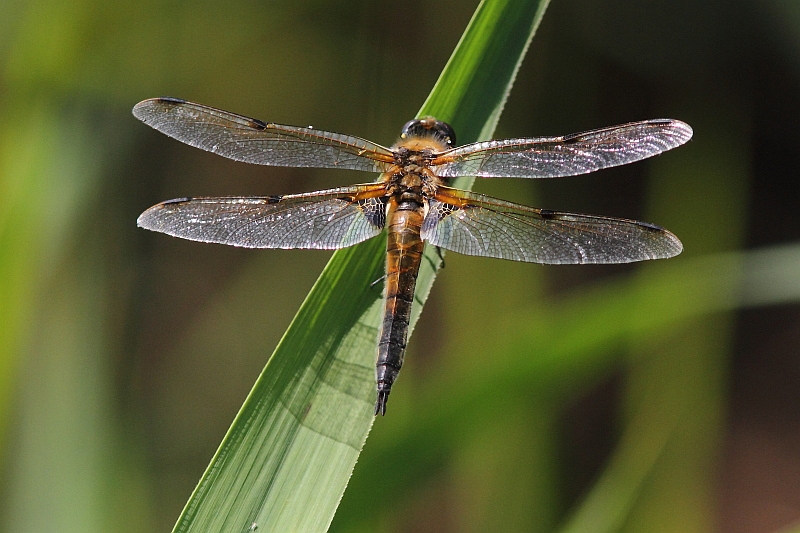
[(441, 257)]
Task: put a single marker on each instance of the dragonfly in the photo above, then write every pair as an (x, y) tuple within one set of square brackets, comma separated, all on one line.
[(410, 199)]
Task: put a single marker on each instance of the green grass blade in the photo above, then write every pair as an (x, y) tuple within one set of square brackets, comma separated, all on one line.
[(287, 458)]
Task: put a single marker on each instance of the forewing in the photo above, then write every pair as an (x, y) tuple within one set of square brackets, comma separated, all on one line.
[(550, 157), (330, 219), (474, 224), (253, 141)]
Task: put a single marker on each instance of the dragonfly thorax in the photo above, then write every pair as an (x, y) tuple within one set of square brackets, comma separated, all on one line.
[(413, 153), (408, 181)]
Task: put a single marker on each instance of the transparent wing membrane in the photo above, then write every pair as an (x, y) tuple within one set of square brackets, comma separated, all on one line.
[(253, 141), (550, 157), (474, 224), (331, 219)]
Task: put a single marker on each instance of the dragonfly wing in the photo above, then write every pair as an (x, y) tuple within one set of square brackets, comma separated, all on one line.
[(474, 224), (550, 157), (253, 141), (330, 219)]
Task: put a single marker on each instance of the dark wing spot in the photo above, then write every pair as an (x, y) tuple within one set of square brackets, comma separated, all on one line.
[(650, 226), (172, 100), (547, 214), (177, 201), (571, 138), (274, 199), (258, 124)]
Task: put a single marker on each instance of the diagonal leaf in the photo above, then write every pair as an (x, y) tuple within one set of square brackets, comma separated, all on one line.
[(287, 458)]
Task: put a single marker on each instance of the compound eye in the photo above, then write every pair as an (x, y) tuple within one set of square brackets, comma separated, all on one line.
[(446, 131), (412, 127), (429, 127)]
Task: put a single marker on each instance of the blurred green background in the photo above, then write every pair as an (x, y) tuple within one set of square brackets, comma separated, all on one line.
[(656, 397)]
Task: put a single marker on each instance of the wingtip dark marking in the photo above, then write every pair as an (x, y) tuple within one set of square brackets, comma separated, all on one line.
[(274, 199), (547, 214), (170, 99), (141, 110), (177, 200), (571, 138), (258, 124), (675, 125), (651, 227)]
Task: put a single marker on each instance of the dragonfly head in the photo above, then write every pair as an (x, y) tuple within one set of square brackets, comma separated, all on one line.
[(429, 127)]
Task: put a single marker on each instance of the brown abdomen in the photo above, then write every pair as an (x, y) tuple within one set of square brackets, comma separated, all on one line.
[(403, 256)]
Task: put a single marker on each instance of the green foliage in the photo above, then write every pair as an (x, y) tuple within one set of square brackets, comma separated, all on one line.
[(124, 354)]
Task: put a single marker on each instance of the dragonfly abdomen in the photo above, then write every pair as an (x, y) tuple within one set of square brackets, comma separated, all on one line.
[(403, 257)]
